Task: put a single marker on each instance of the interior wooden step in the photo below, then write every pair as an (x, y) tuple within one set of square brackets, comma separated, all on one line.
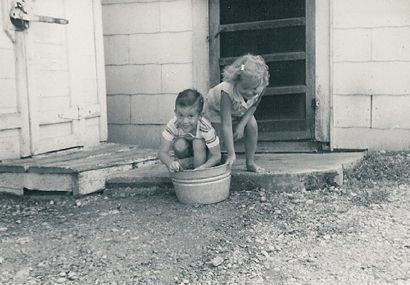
[(283, 147)]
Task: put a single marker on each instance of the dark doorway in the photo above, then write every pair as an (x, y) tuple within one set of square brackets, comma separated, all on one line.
[(282, 32)]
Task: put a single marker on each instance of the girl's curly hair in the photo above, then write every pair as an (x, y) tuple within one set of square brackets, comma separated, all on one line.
[(252, 65)]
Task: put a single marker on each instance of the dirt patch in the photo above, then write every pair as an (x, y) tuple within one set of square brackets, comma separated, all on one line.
[(355, 234)]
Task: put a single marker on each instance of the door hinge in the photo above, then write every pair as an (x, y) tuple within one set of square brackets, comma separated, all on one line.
[(21, 15), (315, 103)]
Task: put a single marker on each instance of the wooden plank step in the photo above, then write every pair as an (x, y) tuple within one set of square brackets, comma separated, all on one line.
[(281, 147), (79, 172), (130, 156), (21, 165)]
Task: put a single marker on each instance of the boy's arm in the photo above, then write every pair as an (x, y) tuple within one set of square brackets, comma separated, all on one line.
[(248, 114), (214, 157), (226, 124), (163, 154)]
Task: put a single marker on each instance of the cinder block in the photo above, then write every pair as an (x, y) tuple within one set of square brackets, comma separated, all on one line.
[(133, 79), (176, 77), (391, 44), (152, 109), (176, 15), (131, 18), (352, 45), (351, 78), (161, 48), (370, 13), (391, 112), (352, 111), (116, 49), (372, 139), (118, 109), (142, 135), (372, 78), (7, 63)]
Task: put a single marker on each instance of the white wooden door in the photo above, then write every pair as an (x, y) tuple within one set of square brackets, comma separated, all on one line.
[(65, 76), (14, 128)]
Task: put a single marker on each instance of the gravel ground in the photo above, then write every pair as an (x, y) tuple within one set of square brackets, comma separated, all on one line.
[(355, 234)]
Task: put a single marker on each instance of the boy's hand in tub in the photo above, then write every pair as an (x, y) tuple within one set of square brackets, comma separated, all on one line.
[(175, 166)]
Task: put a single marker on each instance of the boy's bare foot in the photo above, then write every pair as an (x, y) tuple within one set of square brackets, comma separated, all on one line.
[(252, 167)]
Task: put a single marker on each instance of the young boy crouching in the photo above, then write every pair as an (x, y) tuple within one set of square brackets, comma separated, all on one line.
[(191, 136)]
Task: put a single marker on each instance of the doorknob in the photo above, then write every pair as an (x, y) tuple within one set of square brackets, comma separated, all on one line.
[(21, 16)]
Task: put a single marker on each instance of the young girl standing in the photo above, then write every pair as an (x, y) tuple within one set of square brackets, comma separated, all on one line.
[(231, 104)]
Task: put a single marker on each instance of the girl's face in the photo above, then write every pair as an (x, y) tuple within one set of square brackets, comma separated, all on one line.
[(248, 86), (187, 118)]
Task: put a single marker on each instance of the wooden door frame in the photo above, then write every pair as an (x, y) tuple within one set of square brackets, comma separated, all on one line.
[(309, 56), (310, 8), (100, 68)]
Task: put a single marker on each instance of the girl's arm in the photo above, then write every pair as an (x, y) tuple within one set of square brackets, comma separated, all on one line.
[(245, 118), (214, 157), (226, 122), (163, 155)]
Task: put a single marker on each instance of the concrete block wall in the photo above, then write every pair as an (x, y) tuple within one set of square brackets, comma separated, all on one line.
[(149, 59), (371, 74)]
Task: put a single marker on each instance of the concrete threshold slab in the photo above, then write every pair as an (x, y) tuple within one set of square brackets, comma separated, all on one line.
[(283, 172)]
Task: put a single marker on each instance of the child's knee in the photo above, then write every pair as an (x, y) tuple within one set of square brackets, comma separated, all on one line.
[(182, 148), (252, 124)]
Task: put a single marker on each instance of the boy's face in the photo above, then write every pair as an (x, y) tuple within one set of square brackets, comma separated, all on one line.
[(248, 86), (187, 118)]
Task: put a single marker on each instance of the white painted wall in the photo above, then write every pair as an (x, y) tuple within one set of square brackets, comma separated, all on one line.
[(149, 49), (371, 74)]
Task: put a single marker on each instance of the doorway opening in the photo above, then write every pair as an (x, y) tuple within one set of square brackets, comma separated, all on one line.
[(282, 32)]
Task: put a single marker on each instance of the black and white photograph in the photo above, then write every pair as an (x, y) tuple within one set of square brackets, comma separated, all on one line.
[(205, 142)]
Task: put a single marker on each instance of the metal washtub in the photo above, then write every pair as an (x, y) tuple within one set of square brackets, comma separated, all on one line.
[(204, 186)]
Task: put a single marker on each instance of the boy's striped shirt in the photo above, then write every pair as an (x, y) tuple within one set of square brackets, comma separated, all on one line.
[(204, 130)]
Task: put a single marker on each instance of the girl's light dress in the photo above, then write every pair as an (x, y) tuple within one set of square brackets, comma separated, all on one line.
[(212, 105)]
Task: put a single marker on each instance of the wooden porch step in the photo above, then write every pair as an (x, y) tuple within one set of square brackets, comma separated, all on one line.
[(80, 171)]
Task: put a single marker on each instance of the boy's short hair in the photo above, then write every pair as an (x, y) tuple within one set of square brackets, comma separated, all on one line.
[(188, 98)]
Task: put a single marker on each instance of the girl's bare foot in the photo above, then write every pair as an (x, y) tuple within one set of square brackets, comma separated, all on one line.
[(252, 167)]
